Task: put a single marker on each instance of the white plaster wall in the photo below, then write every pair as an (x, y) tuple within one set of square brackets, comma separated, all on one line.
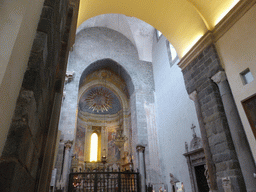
[(17, 31), (175, 113), (237, 49), (137, 31)]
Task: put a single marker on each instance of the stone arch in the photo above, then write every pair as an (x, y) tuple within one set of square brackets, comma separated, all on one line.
[(111, 65), (122, 52), (116, 48), (93, 77)]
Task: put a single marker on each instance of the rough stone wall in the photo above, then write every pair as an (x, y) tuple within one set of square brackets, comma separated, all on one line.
[(26, 161), (197, 77)]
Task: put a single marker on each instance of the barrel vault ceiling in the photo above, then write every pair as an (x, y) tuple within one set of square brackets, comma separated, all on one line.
[(182, 22)]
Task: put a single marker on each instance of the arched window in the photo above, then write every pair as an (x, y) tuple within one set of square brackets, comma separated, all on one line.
[(94, 147), (172, 54), (158, 34)]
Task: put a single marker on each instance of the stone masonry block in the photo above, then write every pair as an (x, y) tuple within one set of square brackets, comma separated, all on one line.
[(40, 43), (50, 3), (225, 156), (26, 110), (38, 56), (47, 13), (222, 166), (13, 177), (219, 148), (31, 80), (18, 142), (34, 166), (25, 105), (228, 165), (45, 26), (217, 138)]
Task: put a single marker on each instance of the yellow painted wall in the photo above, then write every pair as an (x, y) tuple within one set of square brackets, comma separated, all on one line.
[(237, 49), (18, 25)]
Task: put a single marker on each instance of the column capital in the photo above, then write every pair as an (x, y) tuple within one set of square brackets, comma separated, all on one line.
[(193, 95), (140, 148), (219, 77), (68, 144)]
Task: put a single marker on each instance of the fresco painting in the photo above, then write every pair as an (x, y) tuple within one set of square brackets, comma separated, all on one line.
[(113, 151), (79, 146)]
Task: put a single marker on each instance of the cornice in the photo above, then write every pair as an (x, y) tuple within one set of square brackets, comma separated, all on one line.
[(232, 17), (203, 42), (220, 29)]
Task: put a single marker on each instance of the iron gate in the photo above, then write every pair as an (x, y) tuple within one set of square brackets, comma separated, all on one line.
[(101, 181)]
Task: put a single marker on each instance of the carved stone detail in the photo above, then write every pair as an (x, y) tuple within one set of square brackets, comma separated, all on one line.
[(68, 144), (227, 185), (69, 76)]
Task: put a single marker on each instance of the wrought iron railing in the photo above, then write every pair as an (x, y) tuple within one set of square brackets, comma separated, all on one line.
[(104, 180)]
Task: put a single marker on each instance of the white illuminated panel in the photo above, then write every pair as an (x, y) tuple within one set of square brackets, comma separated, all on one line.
[(94, 147)]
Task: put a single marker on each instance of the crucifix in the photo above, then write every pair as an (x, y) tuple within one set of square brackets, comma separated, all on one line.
[(193, 129)]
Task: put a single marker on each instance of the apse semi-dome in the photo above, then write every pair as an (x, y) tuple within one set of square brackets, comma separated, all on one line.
[(99, 100)]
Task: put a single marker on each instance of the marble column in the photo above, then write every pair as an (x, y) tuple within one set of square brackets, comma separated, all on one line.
[(208, 157), (141, 159), (237, 131), (65, 172)]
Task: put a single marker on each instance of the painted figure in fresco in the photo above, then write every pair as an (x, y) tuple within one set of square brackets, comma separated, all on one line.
[(79, 146), (113, 151)]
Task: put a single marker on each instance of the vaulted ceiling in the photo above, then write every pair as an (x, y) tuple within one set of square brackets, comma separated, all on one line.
[(183, 22)]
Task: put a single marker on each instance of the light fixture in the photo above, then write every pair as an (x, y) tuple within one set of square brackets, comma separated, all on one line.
[(104, 157)]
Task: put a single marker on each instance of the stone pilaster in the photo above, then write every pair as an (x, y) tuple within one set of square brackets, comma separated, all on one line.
[(241, 144)]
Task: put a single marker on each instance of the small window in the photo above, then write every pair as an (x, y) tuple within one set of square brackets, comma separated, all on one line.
[(158, 34), (246, 76), (172, 54)]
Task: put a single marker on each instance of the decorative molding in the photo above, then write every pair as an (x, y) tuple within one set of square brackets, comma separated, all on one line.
[(227, 184), (69, 76), (68, 144), (232, 17), (140, 148), (220, 29), (203, 42)]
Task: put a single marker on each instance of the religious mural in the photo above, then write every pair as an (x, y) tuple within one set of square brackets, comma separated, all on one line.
[(113, 151), (79, 146)]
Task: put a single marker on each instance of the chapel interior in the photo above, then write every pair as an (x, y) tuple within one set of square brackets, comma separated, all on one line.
[(131, 96)]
